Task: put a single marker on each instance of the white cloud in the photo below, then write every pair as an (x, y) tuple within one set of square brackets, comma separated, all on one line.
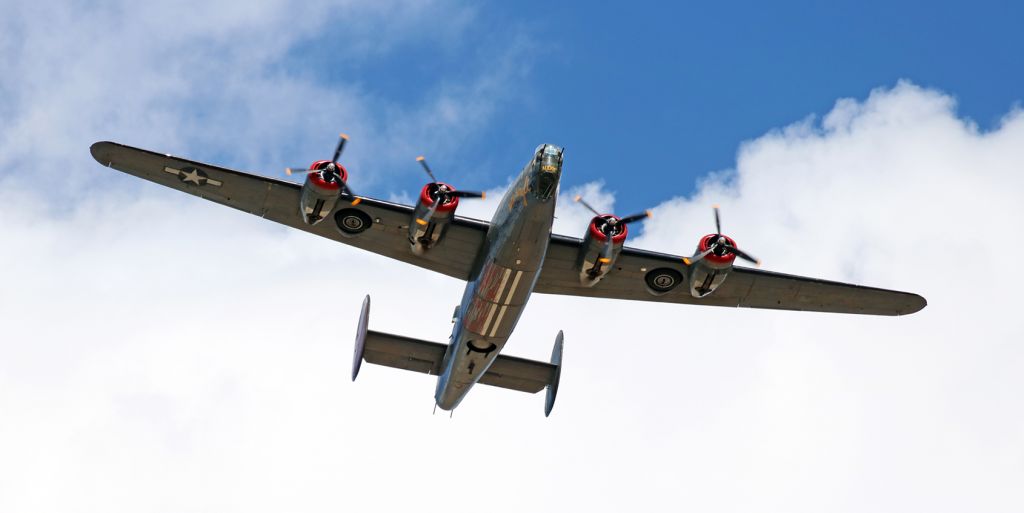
[(161, 353), (199, 77)]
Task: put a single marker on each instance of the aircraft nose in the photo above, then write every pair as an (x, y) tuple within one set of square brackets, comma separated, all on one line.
[(550, 158), (550, 165)]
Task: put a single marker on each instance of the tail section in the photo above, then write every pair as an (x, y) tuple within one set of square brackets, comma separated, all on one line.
[(556, 361), (416, 355)]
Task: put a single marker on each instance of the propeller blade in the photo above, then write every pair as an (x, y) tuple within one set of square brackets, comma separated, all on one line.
[(579, 199), (700, 256), (342, 139), (718, 221), (468, 194), (425, 220), (345, 189), (423, 162), (742, 254), (635, 217), (606, 252), (297, 170)]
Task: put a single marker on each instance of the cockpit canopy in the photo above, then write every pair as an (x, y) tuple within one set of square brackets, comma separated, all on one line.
[(546, 175), (548, 149)]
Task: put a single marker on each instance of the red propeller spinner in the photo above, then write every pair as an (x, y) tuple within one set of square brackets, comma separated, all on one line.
[(719, 248), (439, 195), (329, 174), (610, 228)]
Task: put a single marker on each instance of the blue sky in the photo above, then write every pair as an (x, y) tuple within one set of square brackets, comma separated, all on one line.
[(156, 353), (648, 98), (668, 90)]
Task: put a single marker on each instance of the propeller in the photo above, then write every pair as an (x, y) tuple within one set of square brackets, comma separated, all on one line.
[(608, 227), (330, 172), (721, 246), (444, 193)]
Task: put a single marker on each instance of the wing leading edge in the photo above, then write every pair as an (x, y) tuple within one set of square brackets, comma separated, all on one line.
[(744, 287), (278, 200)]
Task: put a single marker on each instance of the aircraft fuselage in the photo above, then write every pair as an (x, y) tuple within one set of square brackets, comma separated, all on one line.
[(504, 276)]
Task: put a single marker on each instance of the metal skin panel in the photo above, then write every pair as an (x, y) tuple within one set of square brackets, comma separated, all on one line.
[(744, 287), (426, 357), (706, 276), (515, 240), (425, 238), (316, 202), (511, 257), (403, 352), (556, 360), (360, 345), (278, 200), (503, 262)]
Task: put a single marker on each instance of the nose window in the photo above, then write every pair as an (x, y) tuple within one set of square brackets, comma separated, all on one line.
[(544, 184)]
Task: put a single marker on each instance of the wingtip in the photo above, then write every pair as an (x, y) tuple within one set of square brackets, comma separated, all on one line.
[(914, 303), (100, 151), (919, 304)]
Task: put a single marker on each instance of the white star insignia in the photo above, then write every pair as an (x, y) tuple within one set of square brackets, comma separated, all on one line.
[(192, 176)]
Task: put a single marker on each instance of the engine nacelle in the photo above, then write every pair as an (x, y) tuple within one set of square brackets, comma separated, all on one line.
[(425, 228), (710, 272), (593, 262), (321, 191)]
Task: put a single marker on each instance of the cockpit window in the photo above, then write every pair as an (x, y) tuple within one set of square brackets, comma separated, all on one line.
[(544, 184), (548, 149)]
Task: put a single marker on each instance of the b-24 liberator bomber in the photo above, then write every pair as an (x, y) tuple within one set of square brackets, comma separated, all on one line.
[(502, 262)]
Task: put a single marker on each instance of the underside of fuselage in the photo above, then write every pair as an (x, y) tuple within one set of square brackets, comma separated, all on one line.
[(507, 269)]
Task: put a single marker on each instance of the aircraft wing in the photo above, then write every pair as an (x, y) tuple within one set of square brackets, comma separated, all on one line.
[(278, 200), (744, 287)]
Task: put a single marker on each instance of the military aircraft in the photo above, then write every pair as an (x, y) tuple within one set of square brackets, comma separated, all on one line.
[(503, 262)]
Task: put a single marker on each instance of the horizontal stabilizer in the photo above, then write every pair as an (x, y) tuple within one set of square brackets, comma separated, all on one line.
[(426, 357), (519, 374), (403, 352)]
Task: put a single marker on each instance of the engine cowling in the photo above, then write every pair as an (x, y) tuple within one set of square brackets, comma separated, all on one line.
[(427, 228), (594, 260), (321, 190), (708, 273)]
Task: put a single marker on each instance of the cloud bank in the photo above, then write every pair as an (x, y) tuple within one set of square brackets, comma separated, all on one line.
[(161, 353)]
